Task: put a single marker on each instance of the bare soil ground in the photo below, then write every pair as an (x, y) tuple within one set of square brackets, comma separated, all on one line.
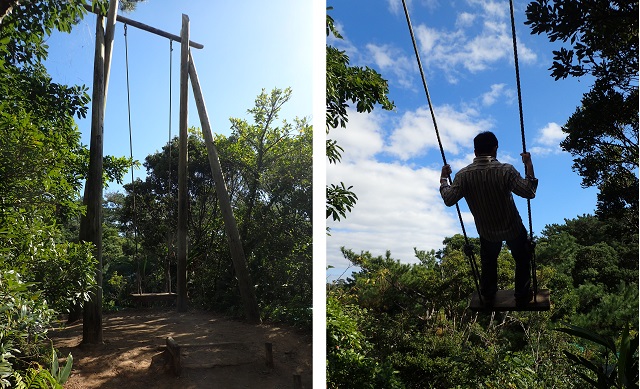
[(132, 355)]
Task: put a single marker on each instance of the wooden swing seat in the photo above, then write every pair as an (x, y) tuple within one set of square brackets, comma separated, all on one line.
[(505, 301), (147, 298)]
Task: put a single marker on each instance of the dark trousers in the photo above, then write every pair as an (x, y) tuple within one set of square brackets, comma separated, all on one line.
[(521, 252)]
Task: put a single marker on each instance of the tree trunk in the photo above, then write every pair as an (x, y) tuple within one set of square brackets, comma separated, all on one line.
[(75, 313)]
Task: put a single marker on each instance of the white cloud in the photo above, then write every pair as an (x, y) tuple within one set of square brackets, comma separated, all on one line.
[(491, 8), (525, 54), (345, 43), (381, 55), (390, 59), (395, 6), (399, 206), (489, 98), (469, 47), (551, 135), (415, 134), (362, 139), (459, 163), (548, 140), (465, 19), (497, 91), (430, 4)]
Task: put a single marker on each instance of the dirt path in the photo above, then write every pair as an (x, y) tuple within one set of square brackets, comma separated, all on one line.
[(132, 355)]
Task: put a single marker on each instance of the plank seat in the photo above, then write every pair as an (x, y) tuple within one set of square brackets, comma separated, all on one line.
[(148, 298), (505, 301)]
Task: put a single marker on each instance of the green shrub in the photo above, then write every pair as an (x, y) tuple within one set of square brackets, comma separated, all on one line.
[(24, 320), (348, 358)]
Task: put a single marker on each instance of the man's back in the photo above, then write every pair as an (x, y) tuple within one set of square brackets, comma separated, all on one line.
[(486, 185)]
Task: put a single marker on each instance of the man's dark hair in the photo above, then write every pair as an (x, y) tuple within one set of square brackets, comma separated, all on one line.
[(484, 143)]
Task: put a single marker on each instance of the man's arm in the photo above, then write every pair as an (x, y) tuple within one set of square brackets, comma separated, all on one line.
[(451, 194), (526, 187), (528, 165)]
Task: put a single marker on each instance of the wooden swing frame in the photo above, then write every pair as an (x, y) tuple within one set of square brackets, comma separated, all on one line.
[(91, 223)]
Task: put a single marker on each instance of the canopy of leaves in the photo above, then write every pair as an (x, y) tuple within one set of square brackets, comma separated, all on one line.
[(602, 134), (24, 29)]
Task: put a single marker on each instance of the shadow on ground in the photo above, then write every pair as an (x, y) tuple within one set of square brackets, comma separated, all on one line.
[(133, 355)]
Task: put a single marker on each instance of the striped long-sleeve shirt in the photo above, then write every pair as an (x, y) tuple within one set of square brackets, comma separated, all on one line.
[(487, 185)]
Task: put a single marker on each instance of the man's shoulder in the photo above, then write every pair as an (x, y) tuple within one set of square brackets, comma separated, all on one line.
[(466, 169), (501, 165)]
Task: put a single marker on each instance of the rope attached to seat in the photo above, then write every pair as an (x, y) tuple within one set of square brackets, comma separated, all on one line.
[(133, 185), (169, 234), (524, 146), (468, 249)]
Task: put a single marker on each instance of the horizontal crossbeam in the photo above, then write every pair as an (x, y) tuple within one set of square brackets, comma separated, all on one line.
[(145, 27)]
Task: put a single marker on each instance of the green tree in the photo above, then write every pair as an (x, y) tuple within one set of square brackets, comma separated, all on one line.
[(592, 270), (25, 25), (415, 319), (602, 134), (361, 86), (42, 162), (267, 167)]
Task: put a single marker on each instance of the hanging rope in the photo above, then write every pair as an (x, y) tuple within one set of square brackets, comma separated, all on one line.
[(524, 145), (170, 94), (133, 185), (169, 240), (468, 248)]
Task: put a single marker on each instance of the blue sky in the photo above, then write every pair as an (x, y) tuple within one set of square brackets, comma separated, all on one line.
[(392, 158), (248, 46)]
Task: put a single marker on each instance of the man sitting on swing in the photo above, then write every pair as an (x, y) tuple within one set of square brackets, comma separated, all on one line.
[(487, 184)]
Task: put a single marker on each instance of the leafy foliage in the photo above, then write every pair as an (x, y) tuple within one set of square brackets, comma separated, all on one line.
[(24, 319), (602, 134), (42, 165), (23, 31), (267, 167), (348, 351), (340, 200), (413, 318), (617, 367)]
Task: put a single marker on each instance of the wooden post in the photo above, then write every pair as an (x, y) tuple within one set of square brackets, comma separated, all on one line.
[(297, 381), (247, 291), (174, 354), (183, 195), (268, 348), (108, 49), (91, 223)]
